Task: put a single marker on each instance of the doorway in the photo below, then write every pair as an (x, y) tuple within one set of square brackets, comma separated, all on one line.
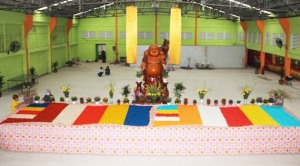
[(99, 48)]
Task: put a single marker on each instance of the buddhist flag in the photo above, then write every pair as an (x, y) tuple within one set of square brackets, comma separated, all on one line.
[(131, 34), (175, 36)]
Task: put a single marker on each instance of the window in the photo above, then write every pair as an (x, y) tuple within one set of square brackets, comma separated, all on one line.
[(294, 41), (105, 35), (164, 35), (267, 39), (273, 39), (145, 35), (187, 35)]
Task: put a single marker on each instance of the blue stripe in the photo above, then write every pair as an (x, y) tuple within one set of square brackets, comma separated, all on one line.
[(138, 115), (167, 107), (38, 105), (281, 116)]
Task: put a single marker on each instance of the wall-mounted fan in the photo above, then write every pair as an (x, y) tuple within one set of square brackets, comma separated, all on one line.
[(14, 46), (279, 43)]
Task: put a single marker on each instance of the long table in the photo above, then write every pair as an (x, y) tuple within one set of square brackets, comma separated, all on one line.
[(22, 79)]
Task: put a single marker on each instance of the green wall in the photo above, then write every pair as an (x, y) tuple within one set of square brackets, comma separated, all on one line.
[(12, 29)]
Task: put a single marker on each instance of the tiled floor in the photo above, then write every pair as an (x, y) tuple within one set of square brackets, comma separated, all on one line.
[(223, 83)]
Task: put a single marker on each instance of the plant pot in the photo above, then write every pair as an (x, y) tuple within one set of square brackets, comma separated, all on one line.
[(281, 82), (278, 101)]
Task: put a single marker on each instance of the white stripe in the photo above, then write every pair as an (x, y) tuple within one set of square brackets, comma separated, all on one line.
[(165, 118), (69, 114), (22, 116), (212, 116)]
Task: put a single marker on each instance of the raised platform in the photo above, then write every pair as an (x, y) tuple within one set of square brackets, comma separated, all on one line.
[(147, 130)]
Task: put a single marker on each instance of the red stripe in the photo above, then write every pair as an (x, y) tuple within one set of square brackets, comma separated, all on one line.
[(50, 112), (28, 112), (169, 115), (91, 114), (235, 117), (15, 120)]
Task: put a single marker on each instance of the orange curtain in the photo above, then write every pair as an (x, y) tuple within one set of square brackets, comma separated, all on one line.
[(131, 34), (175, 36)]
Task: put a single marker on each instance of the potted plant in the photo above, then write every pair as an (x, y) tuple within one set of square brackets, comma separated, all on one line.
[(88, 100), (168, 100), (216, 102), (178, 90), (32, 71), (28, 93), (208, 101), (97, 99), (62, 99), (126, 100), (185, 101), (259, 100), (74, 99), (271, 101), (165, 75), (105, 100), (265, 101), (252, 101), (81, 100), (238, 102), (223, 101), (54, 66), (194, 102), (1, 83), (37, 99), (139, 74), (282, 76), (279, 95), (230, 101), (126, 91)]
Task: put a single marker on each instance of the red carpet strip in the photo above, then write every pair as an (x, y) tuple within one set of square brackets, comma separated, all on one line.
[(50, 112), (90, 115), (235, 117)]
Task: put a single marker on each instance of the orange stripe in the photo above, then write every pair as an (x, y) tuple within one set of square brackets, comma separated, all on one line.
[(27, 26), (285, 24), (245, 28)]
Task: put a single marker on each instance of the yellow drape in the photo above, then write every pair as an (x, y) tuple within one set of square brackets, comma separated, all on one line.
[(131, 34), (175, 36)]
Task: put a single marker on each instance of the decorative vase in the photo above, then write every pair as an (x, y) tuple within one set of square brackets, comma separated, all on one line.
[(28, 99), (245, 102), (111, 101), (36, 101), (73, 102), (97, 102), (67, 100), (279, 101), (270, 104)]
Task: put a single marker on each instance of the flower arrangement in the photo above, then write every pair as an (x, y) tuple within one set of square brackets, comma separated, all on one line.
[(61, 99), (252, 101), (111, 90), (74, 98), (223, 101), (97, 98), (37, 98), (279, 93), (154, 90), (81, 100), (105, 99), (230, 101), (88, 100), (66, 90), (178, 90), (208, 101), (27, 91), (126, 90), (216, 102), (246, 91), (202, 92)]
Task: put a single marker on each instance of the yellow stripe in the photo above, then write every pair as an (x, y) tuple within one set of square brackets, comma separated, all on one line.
[(258, 116), (167, 112), (33, 109), (188, 114), (115, 114)]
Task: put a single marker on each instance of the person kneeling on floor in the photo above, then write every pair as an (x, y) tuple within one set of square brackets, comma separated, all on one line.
[(100, 72), (107, 70)]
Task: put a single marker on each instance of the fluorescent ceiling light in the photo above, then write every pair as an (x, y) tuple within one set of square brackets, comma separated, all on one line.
[(55, 4), (103, 6)]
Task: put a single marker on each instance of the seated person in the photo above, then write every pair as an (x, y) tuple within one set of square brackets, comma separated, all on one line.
[(15, 103), (101, 71), (107, 70), (47, 97)]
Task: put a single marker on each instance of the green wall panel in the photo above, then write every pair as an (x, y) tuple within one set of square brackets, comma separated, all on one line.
[(294, 29), (40, 61)]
